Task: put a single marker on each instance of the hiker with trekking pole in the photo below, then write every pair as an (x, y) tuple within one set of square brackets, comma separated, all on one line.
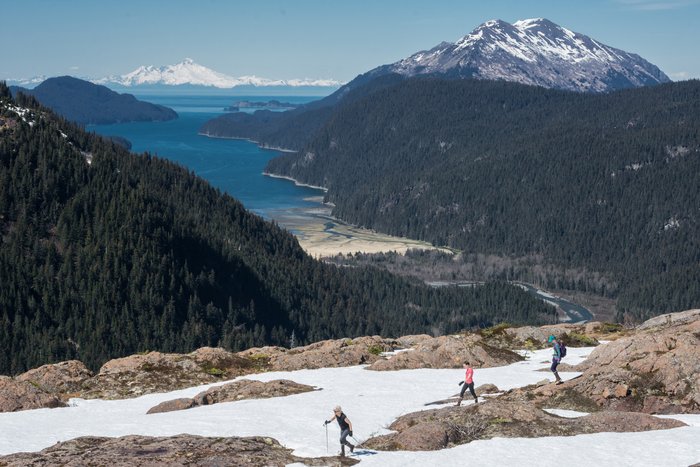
[(345, 429)]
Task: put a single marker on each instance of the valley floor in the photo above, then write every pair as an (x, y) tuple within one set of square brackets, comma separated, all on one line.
[(372, 400)]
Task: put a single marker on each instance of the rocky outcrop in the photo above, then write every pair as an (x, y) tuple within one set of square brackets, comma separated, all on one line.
[(22, 395), (441, 428), (59, 378), (448, 352), (238, 390), (159, 372), (181, 450), (324, 354), (655, 370)]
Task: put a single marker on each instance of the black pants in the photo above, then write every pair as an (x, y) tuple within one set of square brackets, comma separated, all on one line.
[(464, 389), (344, 438)]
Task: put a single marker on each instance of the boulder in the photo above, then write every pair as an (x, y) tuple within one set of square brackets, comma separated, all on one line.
[(487, 389), (180, 450), (22, 395), (173, 405)]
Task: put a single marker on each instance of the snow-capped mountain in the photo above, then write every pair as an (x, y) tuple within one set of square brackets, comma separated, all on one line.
[(532, 51), (188, 72)]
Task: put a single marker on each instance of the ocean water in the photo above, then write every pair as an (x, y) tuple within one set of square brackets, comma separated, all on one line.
[(234, 166)]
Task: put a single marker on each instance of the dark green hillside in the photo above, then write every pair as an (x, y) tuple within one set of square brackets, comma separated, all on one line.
[(608, 183), (104, 253), (294, 128), (83, 102)]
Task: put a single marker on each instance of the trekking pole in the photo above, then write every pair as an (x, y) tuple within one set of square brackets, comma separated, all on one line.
[(357, 443), (326, 425)]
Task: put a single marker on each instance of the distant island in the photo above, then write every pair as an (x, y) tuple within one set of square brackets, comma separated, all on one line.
[(269, 105), (86, 103)]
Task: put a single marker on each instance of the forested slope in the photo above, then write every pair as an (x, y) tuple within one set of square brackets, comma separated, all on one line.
[(104, 253), (604, 182)]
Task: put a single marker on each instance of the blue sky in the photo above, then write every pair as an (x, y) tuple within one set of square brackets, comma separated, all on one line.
[(311, 38)]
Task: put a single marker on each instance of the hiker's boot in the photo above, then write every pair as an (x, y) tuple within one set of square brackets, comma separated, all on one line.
[(556, 375), (352, 448), (476, 400), (342, 450), (459, 402)]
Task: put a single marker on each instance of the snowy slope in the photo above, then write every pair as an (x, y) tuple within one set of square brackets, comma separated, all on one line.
[(191, 73), (372, 400), (536, 52)]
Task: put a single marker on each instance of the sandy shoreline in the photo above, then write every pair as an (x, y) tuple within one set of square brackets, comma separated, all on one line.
[(321, 235)]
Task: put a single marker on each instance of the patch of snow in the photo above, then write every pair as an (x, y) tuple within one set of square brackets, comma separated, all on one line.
[(566, 413)]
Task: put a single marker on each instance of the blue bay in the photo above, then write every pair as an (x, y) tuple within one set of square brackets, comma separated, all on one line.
[(234, 166)]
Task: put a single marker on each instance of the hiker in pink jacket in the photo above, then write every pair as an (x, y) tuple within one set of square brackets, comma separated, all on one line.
[(467, 383)]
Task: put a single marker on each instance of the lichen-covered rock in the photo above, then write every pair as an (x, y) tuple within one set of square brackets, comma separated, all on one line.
[(159, 372), (22, 395), (654, 370), (180, 450), (441, 428), (448, 352), (235, 391), (324, 354), (59, 378)]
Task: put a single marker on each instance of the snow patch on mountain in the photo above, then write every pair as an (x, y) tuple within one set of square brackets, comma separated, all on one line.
[(536, 52)]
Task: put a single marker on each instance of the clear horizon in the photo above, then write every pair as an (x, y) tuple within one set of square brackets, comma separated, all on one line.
[(311, 39)]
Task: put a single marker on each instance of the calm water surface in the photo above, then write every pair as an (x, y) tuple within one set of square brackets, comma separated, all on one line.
[(234, 166)]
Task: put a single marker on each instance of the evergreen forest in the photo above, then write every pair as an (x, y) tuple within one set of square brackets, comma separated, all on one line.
[(104, 253), (608, 184)]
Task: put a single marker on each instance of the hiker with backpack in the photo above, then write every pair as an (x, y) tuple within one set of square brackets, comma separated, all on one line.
[(345, 429), (467, 383), (559, 352)]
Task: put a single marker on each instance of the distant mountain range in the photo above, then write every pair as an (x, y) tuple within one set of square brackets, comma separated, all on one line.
[(188, 73), (532, 51)]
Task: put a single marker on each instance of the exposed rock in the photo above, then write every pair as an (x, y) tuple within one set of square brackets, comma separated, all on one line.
[(487, 389), (235, 391), (324, 354), (441, 428), (60, 378), (180, 450), (671, 319), (159, 372), (655, 370), (448, 352), (22, 395), (173, 405)]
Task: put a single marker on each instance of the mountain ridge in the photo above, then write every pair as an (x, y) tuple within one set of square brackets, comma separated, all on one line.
[(535, 52)]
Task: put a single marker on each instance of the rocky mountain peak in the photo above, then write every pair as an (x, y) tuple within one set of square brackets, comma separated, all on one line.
[(532, 51)]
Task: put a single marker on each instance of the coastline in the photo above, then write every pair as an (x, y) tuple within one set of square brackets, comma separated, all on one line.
[(295, 181), (259, 144)]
